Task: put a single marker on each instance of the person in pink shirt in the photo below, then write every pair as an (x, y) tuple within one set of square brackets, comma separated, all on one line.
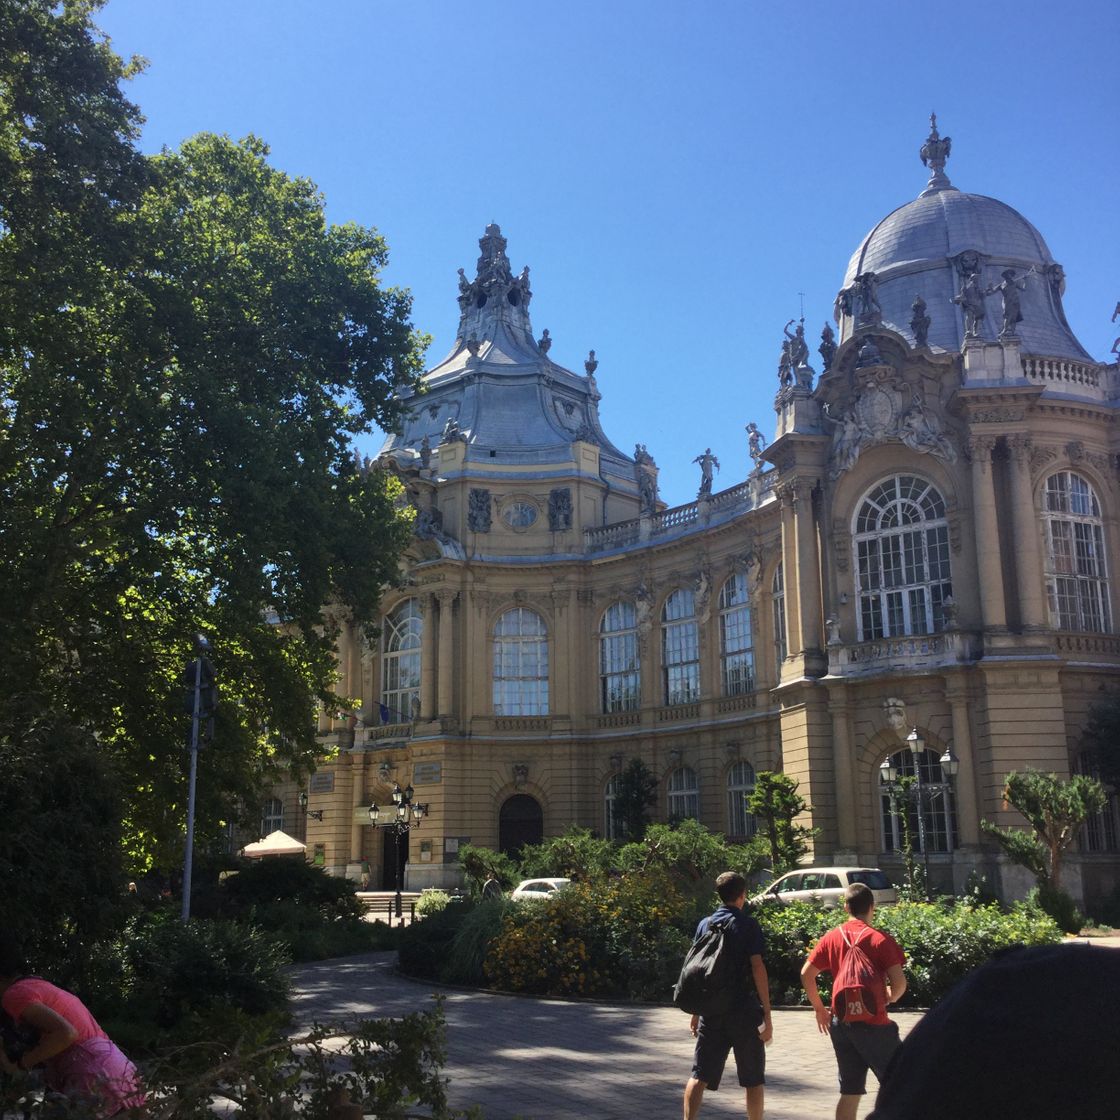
[(78, 1057)]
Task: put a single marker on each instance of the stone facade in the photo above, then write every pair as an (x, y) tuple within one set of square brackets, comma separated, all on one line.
[(928, 543)]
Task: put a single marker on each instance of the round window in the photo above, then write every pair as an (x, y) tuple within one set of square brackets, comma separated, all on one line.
[(519, 515)]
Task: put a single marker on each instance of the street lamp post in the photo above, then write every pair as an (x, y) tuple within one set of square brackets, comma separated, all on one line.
[(405, 817), (912, 789)]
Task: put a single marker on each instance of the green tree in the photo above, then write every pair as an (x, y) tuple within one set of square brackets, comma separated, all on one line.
[(187, 350), (690, 854), (1055, 808), (636, 795), (577, 854), (480, 864), (775, 803)]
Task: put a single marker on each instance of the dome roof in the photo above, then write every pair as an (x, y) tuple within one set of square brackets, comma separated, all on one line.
[(926, 247)]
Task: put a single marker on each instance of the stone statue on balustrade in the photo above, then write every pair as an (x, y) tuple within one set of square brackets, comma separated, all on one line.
[(756, 443), (647, 491), (707, 462)]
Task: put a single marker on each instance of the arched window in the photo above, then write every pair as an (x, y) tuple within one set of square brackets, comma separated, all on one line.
[(1076, 574), (520, 664), (937, 828), (735, 640), (400, 661), (612, 826), (778, 602), (684, 794), (619, 689), (680, 648), (272, 816), (740, 785), (902, 551)]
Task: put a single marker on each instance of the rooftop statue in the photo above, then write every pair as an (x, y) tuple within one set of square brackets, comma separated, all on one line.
[(756, 442), (920, 322), (827, 348), (1012, 305), (591, 365), (867, 309), (1116, 344), (707, 462), (798, 349), (544, 343), (971, 300), (785, 366), (642, 455)]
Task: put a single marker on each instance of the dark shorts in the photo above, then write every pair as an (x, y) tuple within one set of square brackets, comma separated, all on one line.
[(717, 1037), (861, 1047)]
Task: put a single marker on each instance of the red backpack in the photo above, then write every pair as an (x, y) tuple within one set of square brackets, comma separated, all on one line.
[(857, 988)]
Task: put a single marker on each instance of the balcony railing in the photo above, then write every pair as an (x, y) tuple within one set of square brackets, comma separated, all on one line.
[(910, 652)]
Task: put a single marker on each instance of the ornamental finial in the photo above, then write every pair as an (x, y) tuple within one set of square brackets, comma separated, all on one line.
[(934, 152)]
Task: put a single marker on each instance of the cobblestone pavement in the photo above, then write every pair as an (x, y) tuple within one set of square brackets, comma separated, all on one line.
[(560, 1059)]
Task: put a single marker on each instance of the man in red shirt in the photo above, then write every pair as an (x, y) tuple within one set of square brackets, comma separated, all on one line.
[(859, 1046)]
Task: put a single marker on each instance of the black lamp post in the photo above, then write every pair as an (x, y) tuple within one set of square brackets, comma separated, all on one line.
[(913, 789), (405, 817), (314, 814)]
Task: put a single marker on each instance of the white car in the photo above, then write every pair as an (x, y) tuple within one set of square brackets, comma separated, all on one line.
[(826, 885), (538, 888)]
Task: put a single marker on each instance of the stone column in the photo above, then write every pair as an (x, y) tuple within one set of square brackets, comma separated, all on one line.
[(843, 765), (989, 562), (968, 815), (1028, 551), (808, 580), (446, 653), (428, 658), (786, 494)]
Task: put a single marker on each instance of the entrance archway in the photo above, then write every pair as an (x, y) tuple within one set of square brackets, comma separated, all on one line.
[(520, 822)]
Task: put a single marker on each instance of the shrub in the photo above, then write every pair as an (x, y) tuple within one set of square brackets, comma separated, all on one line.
[(1055, 902), (292, 881), (424, 946), (575, 855), (616, 937), (690, 854), (480, 864), (431, 902), (471, 943)]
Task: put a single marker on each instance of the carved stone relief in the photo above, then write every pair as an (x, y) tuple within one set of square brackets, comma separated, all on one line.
[(478, 511)]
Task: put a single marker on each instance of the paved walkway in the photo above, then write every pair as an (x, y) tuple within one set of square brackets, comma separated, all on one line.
[(563, 1059)]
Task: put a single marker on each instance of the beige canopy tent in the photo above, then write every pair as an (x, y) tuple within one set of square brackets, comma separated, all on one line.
[(276, 843)]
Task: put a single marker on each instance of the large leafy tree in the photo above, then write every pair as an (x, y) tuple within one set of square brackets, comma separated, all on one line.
[(1055, 808), (1102, 739), (187, 349)]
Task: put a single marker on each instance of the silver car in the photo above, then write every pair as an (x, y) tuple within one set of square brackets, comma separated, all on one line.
[(538, 888), (826, 885)]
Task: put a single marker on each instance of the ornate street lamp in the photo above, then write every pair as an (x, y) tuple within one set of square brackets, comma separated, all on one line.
[(405, 817), (913, 790), (315, 814)]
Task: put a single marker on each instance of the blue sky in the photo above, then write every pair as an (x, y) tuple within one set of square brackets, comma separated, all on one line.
[(674, 174)]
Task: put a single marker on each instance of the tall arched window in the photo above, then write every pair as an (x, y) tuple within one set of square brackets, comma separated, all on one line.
[(400, 661), (684, 794), (680, 648), (520, 664), (740, 785), (778, 603), (1076, 574), (902, 551), (612, 826), (735, 639), (619, 689), (272, 816), (938, 825)]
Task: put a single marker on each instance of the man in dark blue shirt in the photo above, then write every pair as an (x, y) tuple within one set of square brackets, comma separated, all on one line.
[(746, 1026)]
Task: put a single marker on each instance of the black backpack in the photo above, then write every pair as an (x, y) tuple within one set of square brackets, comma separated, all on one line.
[(710, 976)]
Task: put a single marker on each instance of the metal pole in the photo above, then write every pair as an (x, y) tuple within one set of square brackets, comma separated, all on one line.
[(188, 858), (397, 865), (920, 791)]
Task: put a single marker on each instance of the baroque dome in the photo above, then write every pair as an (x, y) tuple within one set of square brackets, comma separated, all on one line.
[(926, 247)]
